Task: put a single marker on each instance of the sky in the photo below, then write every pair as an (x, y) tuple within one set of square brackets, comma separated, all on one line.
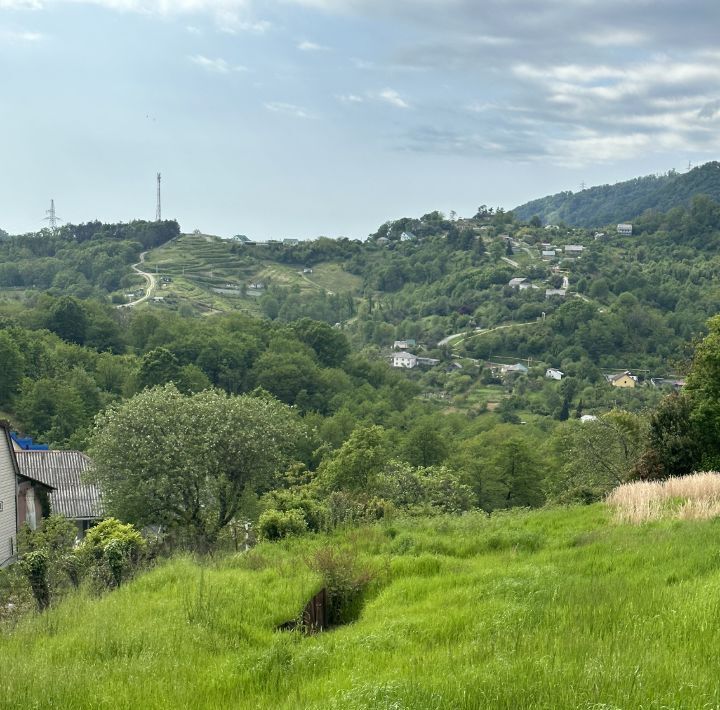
[(300, 118)]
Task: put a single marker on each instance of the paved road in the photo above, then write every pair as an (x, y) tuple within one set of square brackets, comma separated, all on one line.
[(149, 278)]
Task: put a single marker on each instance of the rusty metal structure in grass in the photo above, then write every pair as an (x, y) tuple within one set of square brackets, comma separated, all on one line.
[(314, 618)]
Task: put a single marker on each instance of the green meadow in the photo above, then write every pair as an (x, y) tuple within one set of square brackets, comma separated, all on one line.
[(559, 608)]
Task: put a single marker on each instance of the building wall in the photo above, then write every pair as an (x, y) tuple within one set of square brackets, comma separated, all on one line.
[(624, 382), (27, 491), (8, 514)]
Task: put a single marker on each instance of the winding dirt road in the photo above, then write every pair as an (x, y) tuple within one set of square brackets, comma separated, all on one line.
[(151, 280)]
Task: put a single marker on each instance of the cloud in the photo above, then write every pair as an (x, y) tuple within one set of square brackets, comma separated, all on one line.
[(231, 16), (392, 97), (216, 66), (287, 109), (21, 37), (351, 99), (307, 46)]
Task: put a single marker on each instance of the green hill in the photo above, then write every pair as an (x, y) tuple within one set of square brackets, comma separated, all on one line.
[(558, 608), (607, 204)]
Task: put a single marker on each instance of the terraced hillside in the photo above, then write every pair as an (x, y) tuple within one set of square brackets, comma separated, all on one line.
[(212, 274)]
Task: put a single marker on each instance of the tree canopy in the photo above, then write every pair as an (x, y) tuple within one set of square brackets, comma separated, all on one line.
[(185, 462)]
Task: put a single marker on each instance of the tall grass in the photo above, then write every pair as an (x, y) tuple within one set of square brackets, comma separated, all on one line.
[(693, 497), (552, 609)]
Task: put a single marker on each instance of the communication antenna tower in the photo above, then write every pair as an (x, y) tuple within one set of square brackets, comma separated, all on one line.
[(158, 213), (582, 185), (52, 219)]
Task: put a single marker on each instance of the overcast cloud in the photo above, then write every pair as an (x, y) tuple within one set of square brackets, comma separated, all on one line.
[(568, 89)]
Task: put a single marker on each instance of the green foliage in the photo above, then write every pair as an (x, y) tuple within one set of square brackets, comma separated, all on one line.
[(113, 548), (504, 468), (354, 466), (190, 458), (425, 445), (623, 201), (68, 319), (35, 567), (278, 524), (596, 456)]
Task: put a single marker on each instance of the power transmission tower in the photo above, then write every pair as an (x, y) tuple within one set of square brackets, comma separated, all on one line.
[(52, 219), (582, 185), (158, 213)]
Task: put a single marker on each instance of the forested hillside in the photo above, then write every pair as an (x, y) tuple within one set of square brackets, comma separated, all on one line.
[(624, 201), (314, 325)]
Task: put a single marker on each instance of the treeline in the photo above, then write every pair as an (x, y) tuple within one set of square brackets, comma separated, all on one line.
[(84, 260), (624, 201)]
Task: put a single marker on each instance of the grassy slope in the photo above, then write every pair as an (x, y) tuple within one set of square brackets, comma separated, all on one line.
[(198, 264), (550, 609)]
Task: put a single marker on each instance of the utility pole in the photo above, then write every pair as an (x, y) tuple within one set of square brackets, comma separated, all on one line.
[(52, 219), (158, 213)]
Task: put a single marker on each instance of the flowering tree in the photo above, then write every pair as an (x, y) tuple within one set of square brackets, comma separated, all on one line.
[(185, 461)]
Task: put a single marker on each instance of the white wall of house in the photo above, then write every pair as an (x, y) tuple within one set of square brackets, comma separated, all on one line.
[(8, 501), (404, 360)]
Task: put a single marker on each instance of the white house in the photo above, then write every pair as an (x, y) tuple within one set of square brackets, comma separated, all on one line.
[(404, 359), (407, 237), (554, 374), (550, 292), (574, 249), (588, 418), (404, 344), (520, 283), (548, 254), (625, 229)]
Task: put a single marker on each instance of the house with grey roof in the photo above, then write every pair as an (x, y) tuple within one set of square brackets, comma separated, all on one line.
[(72, 496)]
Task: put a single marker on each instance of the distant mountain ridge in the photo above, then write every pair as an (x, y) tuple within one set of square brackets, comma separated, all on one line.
[(607, 204)]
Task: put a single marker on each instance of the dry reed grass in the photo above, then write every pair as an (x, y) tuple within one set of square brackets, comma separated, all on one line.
[(693, 497)]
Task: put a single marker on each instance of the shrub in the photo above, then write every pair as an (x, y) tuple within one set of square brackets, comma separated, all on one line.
[(35, 567), (313, 511), (114, 548), (277, 524)]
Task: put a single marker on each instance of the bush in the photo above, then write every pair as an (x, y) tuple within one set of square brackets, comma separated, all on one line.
[(277, 524), (35, 567), (313, 511), (114, 548)]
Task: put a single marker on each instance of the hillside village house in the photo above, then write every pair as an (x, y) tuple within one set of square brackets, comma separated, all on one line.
[(625, 229), (623, 379), (551, 292), (23, 499), (71, 496), (505, 370), (404, 359), (574, 250), (553, 374), (548, 254), (520, 283), (404, 344), (408, 360)]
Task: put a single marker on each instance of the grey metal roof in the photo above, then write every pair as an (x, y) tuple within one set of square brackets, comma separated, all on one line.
[(63, 470)]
